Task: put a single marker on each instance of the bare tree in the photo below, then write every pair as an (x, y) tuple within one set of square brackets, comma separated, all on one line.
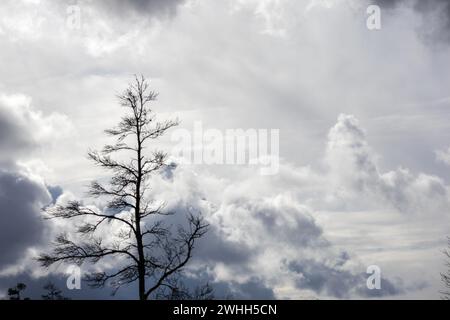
[(153, 250), (445, 277), (53, 293)]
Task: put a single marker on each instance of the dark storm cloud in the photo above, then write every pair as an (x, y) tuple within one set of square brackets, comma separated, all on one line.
[(21, 200), (436, 15)]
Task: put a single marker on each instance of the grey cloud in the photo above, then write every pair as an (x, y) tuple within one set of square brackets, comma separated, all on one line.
[(214, 247), (141, 7), (14, 140), (21, 200), (252, 289), (388, 288), (284, 221), (302, 231), (334, 281), (436, 13)]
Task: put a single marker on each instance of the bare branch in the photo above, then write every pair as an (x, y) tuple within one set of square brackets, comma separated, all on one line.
[(66, 250), (74, 209)]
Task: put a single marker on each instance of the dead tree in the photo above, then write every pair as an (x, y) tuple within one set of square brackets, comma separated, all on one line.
[(445, 277), (152, 252)]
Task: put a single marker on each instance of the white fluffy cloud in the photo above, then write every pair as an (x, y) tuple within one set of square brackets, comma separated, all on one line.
[(356, 178)]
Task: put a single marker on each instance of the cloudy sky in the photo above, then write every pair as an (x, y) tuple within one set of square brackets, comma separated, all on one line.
[(364, 136)]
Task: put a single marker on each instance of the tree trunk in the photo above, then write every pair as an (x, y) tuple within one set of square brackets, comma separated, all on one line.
[(140, 246)]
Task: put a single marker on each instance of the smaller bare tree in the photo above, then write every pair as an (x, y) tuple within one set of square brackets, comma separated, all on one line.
[(175, 289), (445, 277), (52, 293)]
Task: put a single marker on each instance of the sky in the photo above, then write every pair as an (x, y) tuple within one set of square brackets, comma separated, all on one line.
[(364, 153)]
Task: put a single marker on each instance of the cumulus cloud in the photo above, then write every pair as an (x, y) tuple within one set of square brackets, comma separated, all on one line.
[(348, 155), (255, 239), (265, 230), (251, 237), (356, 178), (277, 223), (265, 227), (23, 192)]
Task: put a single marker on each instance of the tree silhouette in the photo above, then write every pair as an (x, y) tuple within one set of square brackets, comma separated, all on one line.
[(52, 293), (152, 252), (14, 293), (445, 277)]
